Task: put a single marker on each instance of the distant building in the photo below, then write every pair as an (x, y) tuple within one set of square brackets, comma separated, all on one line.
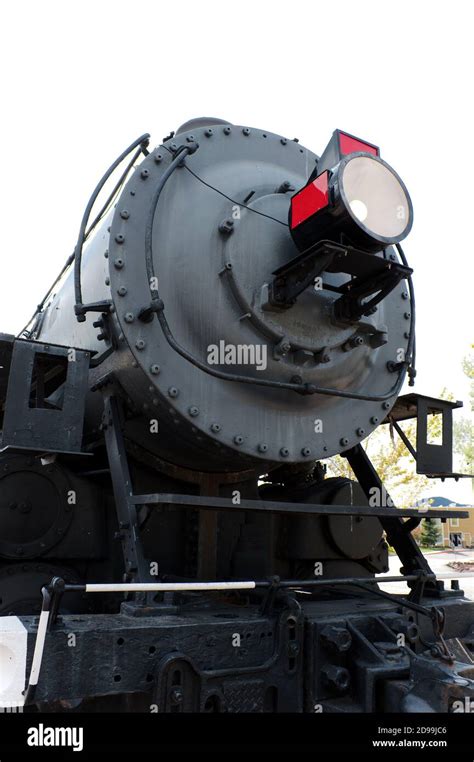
[(454, 533)]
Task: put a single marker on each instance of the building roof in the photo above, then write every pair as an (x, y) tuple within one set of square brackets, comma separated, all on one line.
[(439, 502)]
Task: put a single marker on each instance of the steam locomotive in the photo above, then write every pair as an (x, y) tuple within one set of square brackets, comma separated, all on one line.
[(239, 310)]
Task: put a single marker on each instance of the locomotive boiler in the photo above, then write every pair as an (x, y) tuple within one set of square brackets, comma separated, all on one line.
[(237, 311)]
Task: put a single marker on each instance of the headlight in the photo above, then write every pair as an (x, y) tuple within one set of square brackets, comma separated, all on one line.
[(359, 201)]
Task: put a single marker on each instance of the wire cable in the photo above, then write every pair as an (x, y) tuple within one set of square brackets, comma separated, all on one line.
[(233, 201)]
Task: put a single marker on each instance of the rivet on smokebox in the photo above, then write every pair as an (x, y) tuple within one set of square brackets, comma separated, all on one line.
[(238, 439), (144, 174), (140, 344), (284, 452), (193, 411), (155, 369), (119, 238), (122, 291), (306, 451), (386, 405), (124, 214), (215, 428), (158, 157), (118, 263), (129, 317), (344, 441), (262, 447), (226, 227), (173, 391)]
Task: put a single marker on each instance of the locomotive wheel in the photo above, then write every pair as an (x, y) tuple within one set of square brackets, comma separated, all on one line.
[(34, 510)]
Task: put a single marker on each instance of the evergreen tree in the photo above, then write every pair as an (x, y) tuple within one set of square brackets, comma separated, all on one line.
[(430, 533)]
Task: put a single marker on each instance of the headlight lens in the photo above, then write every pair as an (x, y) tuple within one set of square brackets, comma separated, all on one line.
[(375, 197)]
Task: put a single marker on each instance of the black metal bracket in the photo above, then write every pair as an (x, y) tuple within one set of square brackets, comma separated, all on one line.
[(269, 596), (372, 278), (136, 566), (43, 389), (433, 460), (362, 294), (80, 310), (56, 589), (418, 588), (292, 278)]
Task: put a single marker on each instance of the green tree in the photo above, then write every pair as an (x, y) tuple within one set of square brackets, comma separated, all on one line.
[(430, 532), (464, 428)]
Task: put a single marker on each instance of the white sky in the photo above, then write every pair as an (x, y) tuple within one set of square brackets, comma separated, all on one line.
[(79, 81)]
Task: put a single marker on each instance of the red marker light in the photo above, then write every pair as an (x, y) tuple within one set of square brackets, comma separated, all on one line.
[(309, 200), (350, 144)]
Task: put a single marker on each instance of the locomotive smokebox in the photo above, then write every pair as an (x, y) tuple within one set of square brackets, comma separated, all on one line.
[(244, 351)]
